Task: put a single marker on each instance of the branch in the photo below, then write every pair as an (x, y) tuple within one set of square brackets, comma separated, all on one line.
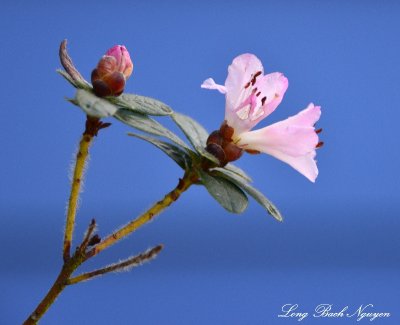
[(122, 266), (88, 236)]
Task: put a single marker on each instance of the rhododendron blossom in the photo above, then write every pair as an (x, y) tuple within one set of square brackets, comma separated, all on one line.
[(250, 97)]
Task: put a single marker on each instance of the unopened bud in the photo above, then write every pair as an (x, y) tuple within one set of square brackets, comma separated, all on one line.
[(112, 71), (121, 54)]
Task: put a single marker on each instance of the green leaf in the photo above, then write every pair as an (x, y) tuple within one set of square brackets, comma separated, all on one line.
[(141, 104), (76, 84), (195, 133), (256, 194), (67, 77), (236, 170), (174, 152), (225, 192), (93, 105), (148, 125)]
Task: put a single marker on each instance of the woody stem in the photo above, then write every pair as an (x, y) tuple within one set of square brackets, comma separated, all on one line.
[(91, 129)]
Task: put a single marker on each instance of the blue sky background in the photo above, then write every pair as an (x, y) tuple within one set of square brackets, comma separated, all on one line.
[(339, 241)]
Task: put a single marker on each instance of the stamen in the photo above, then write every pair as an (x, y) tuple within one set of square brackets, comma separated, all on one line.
[(318, 131), (247, 85), (253, 80), (263, 100), (258, 94), (319, 144)]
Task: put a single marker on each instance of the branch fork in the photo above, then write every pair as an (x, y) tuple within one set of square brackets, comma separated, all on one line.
[(91, 243)]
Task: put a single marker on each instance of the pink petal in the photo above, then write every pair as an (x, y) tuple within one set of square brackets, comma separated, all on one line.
[(273, 86), (292, 141), (121, 54), (239, 74), (210, 84)]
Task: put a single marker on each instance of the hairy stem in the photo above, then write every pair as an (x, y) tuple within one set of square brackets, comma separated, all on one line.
[(80, 162), (124, 265), (79, 257), (68, 268), (157, 208)]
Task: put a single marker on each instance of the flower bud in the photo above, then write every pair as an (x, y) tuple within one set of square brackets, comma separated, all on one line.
[(121, 54), (110, 75)]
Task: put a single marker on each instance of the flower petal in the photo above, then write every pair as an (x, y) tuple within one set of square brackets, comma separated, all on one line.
[(240, 72), (271, 89), (210, 84), (273, 86), (292, 141)]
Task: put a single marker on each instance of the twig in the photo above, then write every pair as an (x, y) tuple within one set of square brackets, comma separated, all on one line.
[(124, 265), (88, 236)]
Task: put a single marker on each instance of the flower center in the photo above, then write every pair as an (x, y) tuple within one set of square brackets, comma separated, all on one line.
[(250, 100)]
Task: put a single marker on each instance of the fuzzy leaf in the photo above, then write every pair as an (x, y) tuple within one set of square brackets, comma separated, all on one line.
[(225, 192), (195, 133), (93, 105), (174, 152), (250, 190), (76, 84), (141, 104), (236, 170), (146, 124)]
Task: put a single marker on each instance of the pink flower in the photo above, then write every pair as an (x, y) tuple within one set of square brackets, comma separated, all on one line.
[(112, 71), (250, 97), (122, 58)]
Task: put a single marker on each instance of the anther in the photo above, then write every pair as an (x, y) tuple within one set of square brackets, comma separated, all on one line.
[(319, 144), (318, 131), (263, 100), (253, 80)]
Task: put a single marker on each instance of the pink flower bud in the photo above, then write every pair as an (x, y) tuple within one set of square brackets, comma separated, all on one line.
[(113, 69), (121, 54)]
